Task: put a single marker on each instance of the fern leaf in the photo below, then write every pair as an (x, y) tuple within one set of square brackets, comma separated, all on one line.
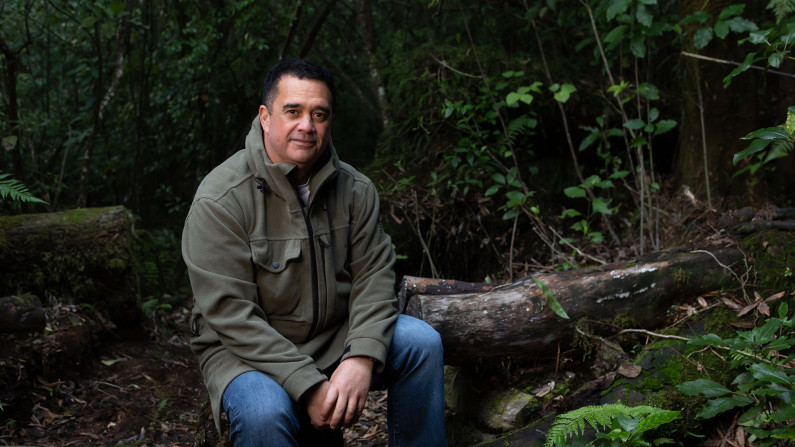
[(15, 190)]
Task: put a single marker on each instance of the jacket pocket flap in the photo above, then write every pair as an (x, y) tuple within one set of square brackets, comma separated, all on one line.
[(274, 256)]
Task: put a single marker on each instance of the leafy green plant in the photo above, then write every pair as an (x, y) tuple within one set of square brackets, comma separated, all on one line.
[(626, 425), (768, 144), (765, 381), (16, 190)]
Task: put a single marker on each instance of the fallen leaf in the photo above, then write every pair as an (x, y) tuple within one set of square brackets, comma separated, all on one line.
[(763, 308), (774, 297), (702, 302), (731, 304)]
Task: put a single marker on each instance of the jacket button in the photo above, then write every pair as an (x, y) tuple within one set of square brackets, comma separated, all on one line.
[(275, 264)]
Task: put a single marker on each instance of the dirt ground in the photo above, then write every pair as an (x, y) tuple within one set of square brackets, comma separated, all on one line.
[(84, 382)]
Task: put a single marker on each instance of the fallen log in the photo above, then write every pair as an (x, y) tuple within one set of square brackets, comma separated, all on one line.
[(21, 314), (515, 321), (81, 256)]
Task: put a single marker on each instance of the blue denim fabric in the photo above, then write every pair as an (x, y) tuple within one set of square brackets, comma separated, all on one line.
[(261, 412)]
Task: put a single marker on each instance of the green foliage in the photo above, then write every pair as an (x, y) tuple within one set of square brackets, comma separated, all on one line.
[(626, 425), (765, 380), (768, 144), (15, 191)]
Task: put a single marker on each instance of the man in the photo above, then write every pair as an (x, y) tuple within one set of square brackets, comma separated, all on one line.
[(294, 312)]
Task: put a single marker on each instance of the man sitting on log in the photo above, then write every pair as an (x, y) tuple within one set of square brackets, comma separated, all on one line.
[(295, 315)]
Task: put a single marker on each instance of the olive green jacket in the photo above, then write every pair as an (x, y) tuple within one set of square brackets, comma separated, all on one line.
[(280, 287)]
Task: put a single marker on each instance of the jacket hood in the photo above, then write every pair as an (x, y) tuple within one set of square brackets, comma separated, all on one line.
[(275, 174)]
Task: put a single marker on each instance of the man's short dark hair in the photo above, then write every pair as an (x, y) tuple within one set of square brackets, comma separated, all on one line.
[(301, 69)]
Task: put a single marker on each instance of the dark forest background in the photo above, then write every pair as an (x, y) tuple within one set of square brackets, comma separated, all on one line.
[(505, 136)]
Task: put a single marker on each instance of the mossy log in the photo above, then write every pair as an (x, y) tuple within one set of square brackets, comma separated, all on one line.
[(81, 256), (515, 321)]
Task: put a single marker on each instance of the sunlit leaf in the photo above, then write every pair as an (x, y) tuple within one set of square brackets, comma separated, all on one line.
[(552, 302)]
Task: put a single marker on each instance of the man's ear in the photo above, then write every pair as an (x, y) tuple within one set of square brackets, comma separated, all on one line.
[(264, 117)]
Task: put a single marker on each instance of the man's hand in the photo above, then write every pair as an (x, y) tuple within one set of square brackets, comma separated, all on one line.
[(340, 401), (350, 384)]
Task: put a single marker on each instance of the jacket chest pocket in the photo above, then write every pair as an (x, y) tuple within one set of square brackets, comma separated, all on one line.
[(279, 276)]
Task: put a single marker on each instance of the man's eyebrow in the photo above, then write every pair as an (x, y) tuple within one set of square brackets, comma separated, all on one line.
[(291, 106)]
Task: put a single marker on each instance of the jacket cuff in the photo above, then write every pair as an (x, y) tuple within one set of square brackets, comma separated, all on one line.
[(302, 380), (367, 347)]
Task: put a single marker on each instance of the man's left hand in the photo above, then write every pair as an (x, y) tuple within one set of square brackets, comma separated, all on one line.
[(351, 380)]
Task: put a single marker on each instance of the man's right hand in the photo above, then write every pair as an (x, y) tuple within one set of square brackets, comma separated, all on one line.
[(320, 402)]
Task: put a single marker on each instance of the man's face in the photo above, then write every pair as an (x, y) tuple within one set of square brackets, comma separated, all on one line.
[(298, 126)]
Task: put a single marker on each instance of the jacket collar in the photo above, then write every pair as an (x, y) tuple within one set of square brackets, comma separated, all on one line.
[(275, 175)]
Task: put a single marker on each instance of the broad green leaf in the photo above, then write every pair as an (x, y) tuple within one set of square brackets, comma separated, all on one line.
[(592, 180), (741, 25), (617, 7), (754, 147), (634, 124), (696, 17), (570, 213), (702, 38), (759, 37), (616, 34), (602, 206), (638, 141), (721, 29), (709, 339), (619, 174), (565, 91), (785, 413), (587, 141), (596, 237), (775, 59), (491, 191), (574, 192), (705, 387), (655, 420), (606, 183), (749, 60), (637, 45), (649, 91), (499, 178), (722, 404), (88, 22), (770, 373), (664, 126), (552, 302), (769, 133), (731, 11), (643, 15)]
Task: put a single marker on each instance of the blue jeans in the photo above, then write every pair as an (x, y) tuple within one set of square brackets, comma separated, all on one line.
[(261, 413)]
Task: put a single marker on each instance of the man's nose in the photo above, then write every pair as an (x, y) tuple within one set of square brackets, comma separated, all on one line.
[(306, 124)]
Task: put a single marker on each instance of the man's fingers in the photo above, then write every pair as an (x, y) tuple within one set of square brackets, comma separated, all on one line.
[(339, 413), (329, 403)]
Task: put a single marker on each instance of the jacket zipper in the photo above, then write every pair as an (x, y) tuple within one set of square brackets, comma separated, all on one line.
[(313, 260)]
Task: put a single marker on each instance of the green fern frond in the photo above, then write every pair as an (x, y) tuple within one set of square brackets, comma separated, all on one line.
[(16, 190), (781, 8), (520, 126), (573, 423)]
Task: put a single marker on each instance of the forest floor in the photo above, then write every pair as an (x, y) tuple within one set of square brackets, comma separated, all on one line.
[(105, 386)]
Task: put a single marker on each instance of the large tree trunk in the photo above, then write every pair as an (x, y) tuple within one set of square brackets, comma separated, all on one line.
[(80, 256), (515, 321)]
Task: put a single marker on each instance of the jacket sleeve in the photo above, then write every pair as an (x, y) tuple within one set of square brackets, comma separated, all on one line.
[(372, 303), (218, 257)]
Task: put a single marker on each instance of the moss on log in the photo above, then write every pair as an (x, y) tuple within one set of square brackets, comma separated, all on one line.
[(79, 256)]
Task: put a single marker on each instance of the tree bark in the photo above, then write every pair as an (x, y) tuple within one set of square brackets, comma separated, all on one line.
[(515, 320), (80, 256)]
